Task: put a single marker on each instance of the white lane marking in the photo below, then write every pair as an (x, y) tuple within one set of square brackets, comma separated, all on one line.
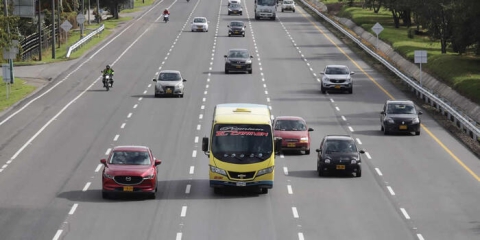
[(187, 189), (202, 107), (200, 116), (108, 151), (196, 139), (4, 166), (98, 167), (338, 109), (268, 99), (86, 186), (179, 236), (199, 127), (300, 236), (57, 235), (378, 171), (135, 106), (368, 155), (116, 138), (192, 168), (145, 92), (149, 85), (184, 211), (289, 189), (194, 153), (72, 210), (1, 170), (204, 99), (285, 170), (344, 119), (391, 190), (351, 129), (331, 100), (140, 98), (9, 161), (405, 213), (129, 115), (359, 142), (123, 125), (295, 212), (420, 237)]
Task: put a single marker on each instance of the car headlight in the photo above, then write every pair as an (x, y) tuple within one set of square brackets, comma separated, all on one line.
[(327, 161), (389, 120), (248, 61), (349, 80), (326, 79), (227, 60), (265, 171), (149, 177), (304, 139), (107, 175), (229, 9), (180, 85), (218, 170), (353, 161), (415, 120)]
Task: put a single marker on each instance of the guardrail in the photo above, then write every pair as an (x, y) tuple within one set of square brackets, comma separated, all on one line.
[(467, 125), (84, 40), (29, 44)]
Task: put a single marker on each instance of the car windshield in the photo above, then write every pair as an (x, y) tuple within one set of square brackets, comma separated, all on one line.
[(235, 5), (169, 77), (238, 54), (236, 24), (130, 158), (290, 125), (398, 108), (199, 20), (266, 2), (340, 146), (242, 143), (288, 2), (336, 70)]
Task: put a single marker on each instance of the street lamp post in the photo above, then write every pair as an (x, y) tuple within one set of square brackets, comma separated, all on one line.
[(10, 61), (39, 32), (53, 29)]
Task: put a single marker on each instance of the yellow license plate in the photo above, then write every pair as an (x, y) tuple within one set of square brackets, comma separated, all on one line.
[(340, 167), (169, 90), (337, 86), (239, 66), (403, 127), (290, 144), (128, 188)]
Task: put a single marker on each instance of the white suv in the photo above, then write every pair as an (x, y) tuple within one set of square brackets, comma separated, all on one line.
[(288, 5), (337, 78)]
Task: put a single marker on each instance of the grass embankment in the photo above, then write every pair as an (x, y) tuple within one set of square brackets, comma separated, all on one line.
[(461, 72), (18, 91)]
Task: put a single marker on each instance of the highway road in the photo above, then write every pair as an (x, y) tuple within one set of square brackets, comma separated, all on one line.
[(412, 187)]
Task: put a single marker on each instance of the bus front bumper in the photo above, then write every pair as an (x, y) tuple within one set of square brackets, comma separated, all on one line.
[(257, 184)]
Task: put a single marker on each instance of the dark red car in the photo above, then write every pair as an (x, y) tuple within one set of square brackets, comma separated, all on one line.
[(130, 169), (294, 133)]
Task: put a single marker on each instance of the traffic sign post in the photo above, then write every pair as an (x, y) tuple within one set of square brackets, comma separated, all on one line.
[(420, 57), (377, 28), (81, 20), (6, 76), (66, 26)]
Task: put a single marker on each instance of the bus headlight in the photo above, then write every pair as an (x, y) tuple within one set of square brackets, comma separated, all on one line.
[(265, 171), (218, 170)]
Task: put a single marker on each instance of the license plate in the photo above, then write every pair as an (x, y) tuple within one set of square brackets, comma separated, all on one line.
[(337, 86), (403, 127), (128, 188), (340, 167), (236, 31), (241, 184), (239, 66), (234, 11), (169, 90), (290, 144)]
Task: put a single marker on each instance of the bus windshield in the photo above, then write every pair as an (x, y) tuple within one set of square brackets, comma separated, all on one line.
[(266, 2), (242, 143)]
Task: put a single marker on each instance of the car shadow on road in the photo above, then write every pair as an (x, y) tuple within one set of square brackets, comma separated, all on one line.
[(143, 96), (314, 174)]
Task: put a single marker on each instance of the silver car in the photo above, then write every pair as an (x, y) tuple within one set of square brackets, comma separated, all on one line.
[(169, 83), (200, 24), (337, 78)]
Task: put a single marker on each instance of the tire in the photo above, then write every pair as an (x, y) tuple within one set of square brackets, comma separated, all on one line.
[(155, 95), (283, 10), (381, 128), (320, 172), (264, 190), (385, 132), (359, 172), (226, 71), (217, 190), (417, 133), (105, 195), (152, 195), (243, 35), (350, 91), (256, 18), (293, 10), (249, 71), (307, 152), (323, 90), (107, 87)]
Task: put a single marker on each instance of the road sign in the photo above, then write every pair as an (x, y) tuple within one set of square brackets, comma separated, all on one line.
[(377, 28), (6, 73), (66, 26), (80, 18), (420, 56)]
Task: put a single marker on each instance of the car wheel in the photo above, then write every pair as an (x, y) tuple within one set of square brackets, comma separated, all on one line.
[(256, 18), (358, 173), (350, 91), (283, 10), (320, 172), (385, 132), (243, 35), (152, 195), (155, 95), (228, 13), (105, 195), (381, 128), (307, 152), (417, 133), (250, 71), (293, 10), (323, 90), (226, 71)]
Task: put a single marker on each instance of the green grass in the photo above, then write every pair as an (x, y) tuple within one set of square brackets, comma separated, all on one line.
[(138, 5), (461, 72), (17, 92)]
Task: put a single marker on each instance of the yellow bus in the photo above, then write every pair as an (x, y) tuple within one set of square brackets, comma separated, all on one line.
[(241, 147)]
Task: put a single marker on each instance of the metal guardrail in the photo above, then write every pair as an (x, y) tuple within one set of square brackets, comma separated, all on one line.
[(84, 40), (468, 125)]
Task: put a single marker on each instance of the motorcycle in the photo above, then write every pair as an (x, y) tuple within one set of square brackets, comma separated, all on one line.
[(107, 81), (165, 18)]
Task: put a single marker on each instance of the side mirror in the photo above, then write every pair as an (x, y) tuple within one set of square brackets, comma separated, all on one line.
[(382, 112), (158, 162), (251, 56), (310, 129), (362, 151), (224, 56), (278, 145), (104, 162), (228, 25), (154, 80), (184, 80), (351, 73), (322, 73), (205, 144), (420, 112), (318, 150)]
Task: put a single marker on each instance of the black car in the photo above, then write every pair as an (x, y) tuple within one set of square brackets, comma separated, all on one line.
[(339, 153), (236, 28), (238, 60), (400, 116), (235, 8)]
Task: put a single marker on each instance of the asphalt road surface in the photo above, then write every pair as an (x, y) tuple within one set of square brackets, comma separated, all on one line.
[(412, 187)]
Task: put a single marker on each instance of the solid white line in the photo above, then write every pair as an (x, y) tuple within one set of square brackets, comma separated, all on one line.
[(405, 213), (57, 235), (187, 189), (344, 119), (179, 236), (338, 109), (108, 151), (289, 189), (295, 212), (129, 115), (378, 171), (123, 125), (72, 210), (116, 138), (9, 161), (196, 139), (191, 169), (368, 155), (358, 140), (300, 236), (135, 106), (285, 170), (184, 211), (86, 186), (98, 167), (420, 237), (391, 190), (1, 170), (351, 129), (194, 153)]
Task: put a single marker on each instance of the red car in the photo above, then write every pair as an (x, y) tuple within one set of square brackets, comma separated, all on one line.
[(294, 133), (130, 169)]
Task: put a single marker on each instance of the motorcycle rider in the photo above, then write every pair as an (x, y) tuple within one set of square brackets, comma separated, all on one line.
[(108, 70), (166, 12)]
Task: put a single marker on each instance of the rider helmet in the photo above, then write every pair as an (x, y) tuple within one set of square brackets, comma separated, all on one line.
[(108, 66)]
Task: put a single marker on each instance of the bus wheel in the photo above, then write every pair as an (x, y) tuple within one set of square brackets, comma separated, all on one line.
[(264, 190), (217, 190)]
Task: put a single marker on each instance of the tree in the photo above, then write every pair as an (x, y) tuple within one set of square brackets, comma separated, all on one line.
[(7, 22), (438, 15), (112, 6)]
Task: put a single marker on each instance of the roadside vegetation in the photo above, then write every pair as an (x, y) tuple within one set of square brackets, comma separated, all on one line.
[(17, 92)]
